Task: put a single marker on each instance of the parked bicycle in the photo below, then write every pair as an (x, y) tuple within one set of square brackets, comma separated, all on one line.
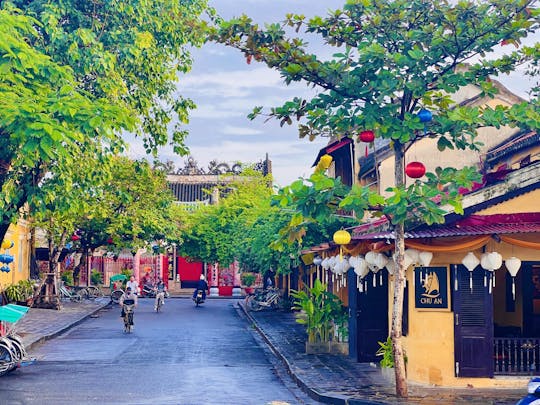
[(12, 351), (268, 298)]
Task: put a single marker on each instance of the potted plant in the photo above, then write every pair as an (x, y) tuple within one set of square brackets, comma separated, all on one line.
[(387, 360), (67, 277), (21, 293), (96, 278), (317, 312), (248, 279)]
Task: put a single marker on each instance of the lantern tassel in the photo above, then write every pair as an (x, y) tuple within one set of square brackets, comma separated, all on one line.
[(513, 288), (366, 151), (470, 281)]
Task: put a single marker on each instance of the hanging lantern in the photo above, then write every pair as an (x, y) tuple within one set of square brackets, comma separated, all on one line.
[(513, 264), (325, 161), (425, 115), (413, 255), (75, 237), (367, 137), (391, 267), (425, 258), (470, 261), (317, 260), (5, 269), (7, 244), (109, 240), (415, 170), (341, 237), (6, 258)]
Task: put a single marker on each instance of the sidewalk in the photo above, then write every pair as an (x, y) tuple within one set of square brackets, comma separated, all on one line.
[(341, 380), (39, 325)]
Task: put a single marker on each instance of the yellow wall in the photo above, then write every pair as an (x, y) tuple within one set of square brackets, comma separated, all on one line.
[(429, 344), (522, 204), (20, 267)]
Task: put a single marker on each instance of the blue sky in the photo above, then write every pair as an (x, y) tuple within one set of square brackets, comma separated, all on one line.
[(225, 89)]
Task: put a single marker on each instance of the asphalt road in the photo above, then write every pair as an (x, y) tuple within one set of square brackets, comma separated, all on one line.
[(183, 355)]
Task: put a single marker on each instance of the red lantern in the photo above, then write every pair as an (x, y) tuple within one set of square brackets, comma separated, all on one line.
[(415, 170), (75, 237), (367, 136), (110, 240)]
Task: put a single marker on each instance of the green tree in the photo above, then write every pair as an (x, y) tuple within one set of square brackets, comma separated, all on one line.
[(45, 119), (392, 59), (78, 72), (121, 204)]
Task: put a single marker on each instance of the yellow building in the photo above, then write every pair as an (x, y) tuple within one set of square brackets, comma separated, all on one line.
[(462, 327), (19, 234)]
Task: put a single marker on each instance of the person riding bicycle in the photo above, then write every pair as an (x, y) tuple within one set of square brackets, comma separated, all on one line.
[(201, 285), (159, 288), (129, 298)]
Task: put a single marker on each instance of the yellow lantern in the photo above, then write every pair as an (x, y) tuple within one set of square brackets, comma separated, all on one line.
[(341, 237), (325, 161), (7, 244)]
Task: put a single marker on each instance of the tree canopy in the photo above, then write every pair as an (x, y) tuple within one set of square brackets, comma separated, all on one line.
[(78, 75)]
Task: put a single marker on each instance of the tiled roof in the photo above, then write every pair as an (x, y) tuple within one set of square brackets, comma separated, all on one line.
[(474, 225)]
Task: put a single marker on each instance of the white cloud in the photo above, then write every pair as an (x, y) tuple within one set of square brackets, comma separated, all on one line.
[(241, 131)]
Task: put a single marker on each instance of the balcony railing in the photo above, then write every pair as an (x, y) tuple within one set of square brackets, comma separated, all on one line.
[(517, 356)]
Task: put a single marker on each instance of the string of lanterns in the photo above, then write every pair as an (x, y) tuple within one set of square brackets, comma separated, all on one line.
[(490, 262), (6, 258)]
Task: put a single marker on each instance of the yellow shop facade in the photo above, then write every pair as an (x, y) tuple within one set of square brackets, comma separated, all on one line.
[(19, 269)]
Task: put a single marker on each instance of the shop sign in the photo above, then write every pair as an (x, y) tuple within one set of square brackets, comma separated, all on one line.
[(431, 288)]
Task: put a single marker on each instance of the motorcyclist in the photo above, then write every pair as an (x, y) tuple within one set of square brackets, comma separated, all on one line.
[(201, 285), (126, 297), (160, 289)]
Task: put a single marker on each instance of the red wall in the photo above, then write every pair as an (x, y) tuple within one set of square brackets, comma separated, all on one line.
[(189, 271)]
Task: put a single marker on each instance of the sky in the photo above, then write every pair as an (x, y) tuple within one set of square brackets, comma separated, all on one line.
[(225, 89)]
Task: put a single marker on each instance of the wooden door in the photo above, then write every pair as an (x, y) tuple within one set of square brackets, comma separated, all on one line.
[(473, 325), (372, 317)]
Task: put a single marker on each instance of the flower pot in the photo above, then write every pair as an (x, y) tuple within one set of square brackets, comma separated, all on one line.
[(317, 347), (225, 290), (339, 348)]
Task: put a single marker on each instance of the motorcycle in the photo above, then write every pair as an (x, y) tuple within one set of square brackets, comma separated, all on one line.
[(148, 291), (199, 298), (533, 396), (128, 308)]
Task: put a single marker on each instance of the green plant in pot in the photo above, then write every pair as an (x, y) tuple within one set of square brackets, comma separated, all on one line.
[(20, 292), (67, 277), (248, 279), (318, 307), (96, 278)]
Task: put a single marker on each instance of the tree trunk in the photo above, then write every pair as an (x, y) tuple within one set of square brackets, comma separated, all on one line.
[(399, 286)]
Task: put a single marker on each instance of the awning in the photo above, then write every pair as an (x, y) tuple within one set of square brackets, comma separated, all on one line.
[(331, 148), (470, 226), (12, 313)]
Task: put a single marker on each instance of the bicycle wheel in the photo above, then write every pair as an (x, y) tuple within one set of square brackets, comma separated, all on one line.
[(254, 305), (115, 296), (7, 362), (94, 292), (83, 293), (17, 347)]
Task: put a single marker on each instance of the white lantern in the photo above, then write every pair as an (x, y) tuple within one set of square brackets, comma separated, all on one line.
[(495, 260), (371, 256), (513, 264), (381, 260), (413, 255), (425, 258), (317, 260), (470, 261), (391, 267)]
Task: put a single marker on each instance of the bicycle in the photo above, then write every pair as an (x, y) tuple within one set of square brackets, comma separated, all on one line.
[(12, 351), (128, 307), (160, 300), (269, 298)]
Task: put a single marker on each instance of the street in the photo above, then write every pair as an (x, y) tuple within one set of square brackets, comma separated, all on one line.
[(183, 355)]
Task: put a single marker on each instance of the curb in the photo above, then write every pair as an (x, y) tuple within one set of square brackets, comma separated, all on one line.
[(324, 398), (64, 328)]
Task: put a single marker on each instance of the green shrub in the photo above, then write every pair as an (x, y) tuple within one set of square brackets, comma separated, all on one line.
[(96, 278), (248, 279), (67, 277), (20, 291)]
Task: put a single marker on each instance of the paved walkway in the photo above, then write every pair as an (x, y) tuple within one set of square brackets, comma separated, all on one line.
[(326, 378)]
